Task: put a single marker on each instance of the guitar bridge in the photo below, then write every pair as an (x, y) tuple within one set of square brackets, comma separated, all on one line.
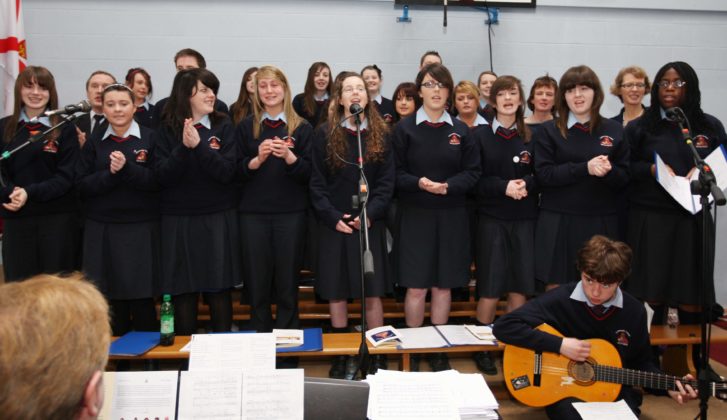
[(538, 368)]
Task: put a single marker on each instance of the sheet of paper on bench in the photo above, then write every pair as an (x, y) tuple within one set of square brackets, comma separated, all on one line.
[(234, 394), (140, 395), (459, 335), (421, 338), (232, 351)]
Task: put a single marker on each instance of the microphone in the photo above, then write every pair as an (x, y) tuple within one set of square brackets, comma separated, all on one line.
[(82, 106), (355, 109), (674, 114)]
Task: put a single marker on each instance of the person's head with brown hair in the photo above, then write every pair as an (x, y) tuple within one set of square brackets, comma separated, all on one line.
[(55, 337), (579, 93), (604, 260)]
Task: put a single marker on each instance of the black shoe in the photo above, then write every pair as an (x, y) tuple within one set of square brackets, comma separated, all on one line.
[(351, 368), (414, 360), (439, 362), (485, 363), (338, 367), (376, 362)]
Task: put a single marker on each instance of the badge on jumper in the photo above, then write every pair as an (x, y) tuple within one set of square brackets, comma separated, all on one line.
[(701, 141), (606, 141), (141, 155), (50, 146), (215, 143), (289, 142), (455, 139)]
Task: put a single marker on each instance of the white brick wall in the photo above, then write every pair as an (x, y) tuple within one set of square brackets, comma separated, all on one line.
[(74, 37)]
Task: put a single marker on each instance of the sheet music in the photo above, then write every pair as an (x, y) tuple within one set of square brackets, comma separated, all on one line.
[(410, 397), (459, 335), (141, 394), (232, 352), (274, 395), (421, 338), (618, 410), (210, 395)]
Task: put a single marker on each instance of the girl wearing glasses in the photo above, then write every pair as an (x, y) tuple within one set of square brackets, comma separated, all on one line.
[(196, 163), (630, 86), (437, 163), (581, 166), (665, 238), (39, 209), (118, 186), (335, 179)]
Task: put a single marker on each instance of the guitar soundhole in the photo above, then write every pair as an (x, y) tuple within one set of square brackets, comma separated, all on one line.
[(582, 372)]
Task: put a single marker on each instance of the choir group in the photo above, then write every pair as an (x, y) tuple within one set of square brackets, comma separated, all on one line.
[(186, 197)]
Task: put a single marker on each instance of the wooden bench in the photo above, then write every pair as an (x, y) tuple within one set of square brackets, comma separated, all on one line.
[(348, 344)]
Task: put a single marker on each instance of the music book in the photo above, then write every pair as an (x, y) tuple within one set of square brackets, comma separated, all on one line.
[(439, 336), (134, 343), (384, 336), (679, 187)]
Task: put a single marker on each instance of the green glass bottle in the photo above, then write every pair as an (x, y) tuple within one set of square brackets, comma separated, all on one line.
[(166, 315)]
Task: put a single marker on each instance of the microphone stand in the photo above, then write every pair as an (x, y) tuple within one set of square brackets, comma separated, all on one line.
[(35, 138), (703, 186), (367, 259)]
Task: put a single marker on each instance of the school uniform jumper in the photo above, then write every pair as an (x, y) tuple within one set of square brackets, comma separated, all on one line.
[(574, 205), (43, 236), (272, 216), (200, 238), (339, 264), (666, 239), (432, 238), (505, 251)]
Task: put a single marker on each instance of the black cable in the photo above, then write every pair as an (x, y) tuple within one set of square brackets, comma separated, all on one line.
[(490, 31)]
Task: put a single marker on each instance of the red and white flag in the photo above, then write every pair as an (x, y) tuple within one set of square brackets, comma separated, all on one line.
[(13, 55)]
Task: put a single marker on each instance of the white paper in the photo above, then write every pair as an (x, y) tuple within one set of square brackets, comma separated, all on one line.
[(410, 396), (459, 335), (141, 394), (232, 351), (288, 338), (421, 338), (679, 187), (210, 395), (471, 393), (618, 410), (274, 395)]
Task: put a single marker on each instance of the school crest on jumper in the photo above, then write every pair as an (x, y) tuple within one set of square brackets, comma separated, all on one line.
[(623, 338), (50, 146), (701, 141), (289, 142), (525, 157), (606, 141), (141, 155), (388, 118), (455, 139), (215, 143)]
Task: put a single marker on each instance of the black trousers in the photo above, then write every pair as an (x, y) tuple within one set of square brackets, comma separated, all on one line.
[(133, 314), (185, 311), (272, 259), (40, 244)]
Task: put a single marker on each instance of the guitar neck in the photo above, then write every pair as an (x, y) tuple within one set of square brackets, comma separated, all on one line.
[(635, 377)]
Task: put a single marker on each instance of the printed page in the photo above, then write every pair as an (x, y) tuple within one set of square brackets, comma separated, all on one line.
[(274, 395), (232, 351), (676, 186), (459, 335), (409, 395), (140, 395), (421, 338), (211, 395)]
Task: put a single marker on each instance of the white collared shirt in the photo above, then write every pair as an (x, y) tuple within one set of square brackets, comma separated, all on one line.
[(205, 121), (616, 300), (133, 130), (378, 99), (479, 120), (572, 120), (42, 119), (279, 117), (422, 116), (351, 126), (321, 98)]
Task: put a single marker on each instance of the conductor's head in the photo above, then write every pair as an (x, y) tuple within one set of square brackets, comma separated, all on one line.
[(54, 341)]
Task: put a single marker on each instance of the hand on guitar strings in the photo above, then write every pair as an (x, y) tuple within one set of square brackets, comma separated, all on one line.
[(685, 392), (575, 349)]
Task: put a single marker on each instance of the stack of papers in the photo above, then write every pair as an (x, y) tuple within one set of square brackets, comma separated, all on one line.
[(429, 395), (444, 336)]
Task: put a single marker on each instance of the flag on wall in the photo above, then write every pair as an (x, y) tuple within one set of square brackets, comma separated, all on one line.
[(13, 56)]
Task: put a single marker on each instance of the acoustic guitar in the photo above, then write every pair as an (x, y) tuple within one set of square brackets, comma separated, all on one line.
[(538, 379)]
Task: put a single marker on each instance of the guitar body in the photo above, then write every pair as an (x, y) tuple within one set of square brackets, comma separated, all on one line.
[(559, 377)]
